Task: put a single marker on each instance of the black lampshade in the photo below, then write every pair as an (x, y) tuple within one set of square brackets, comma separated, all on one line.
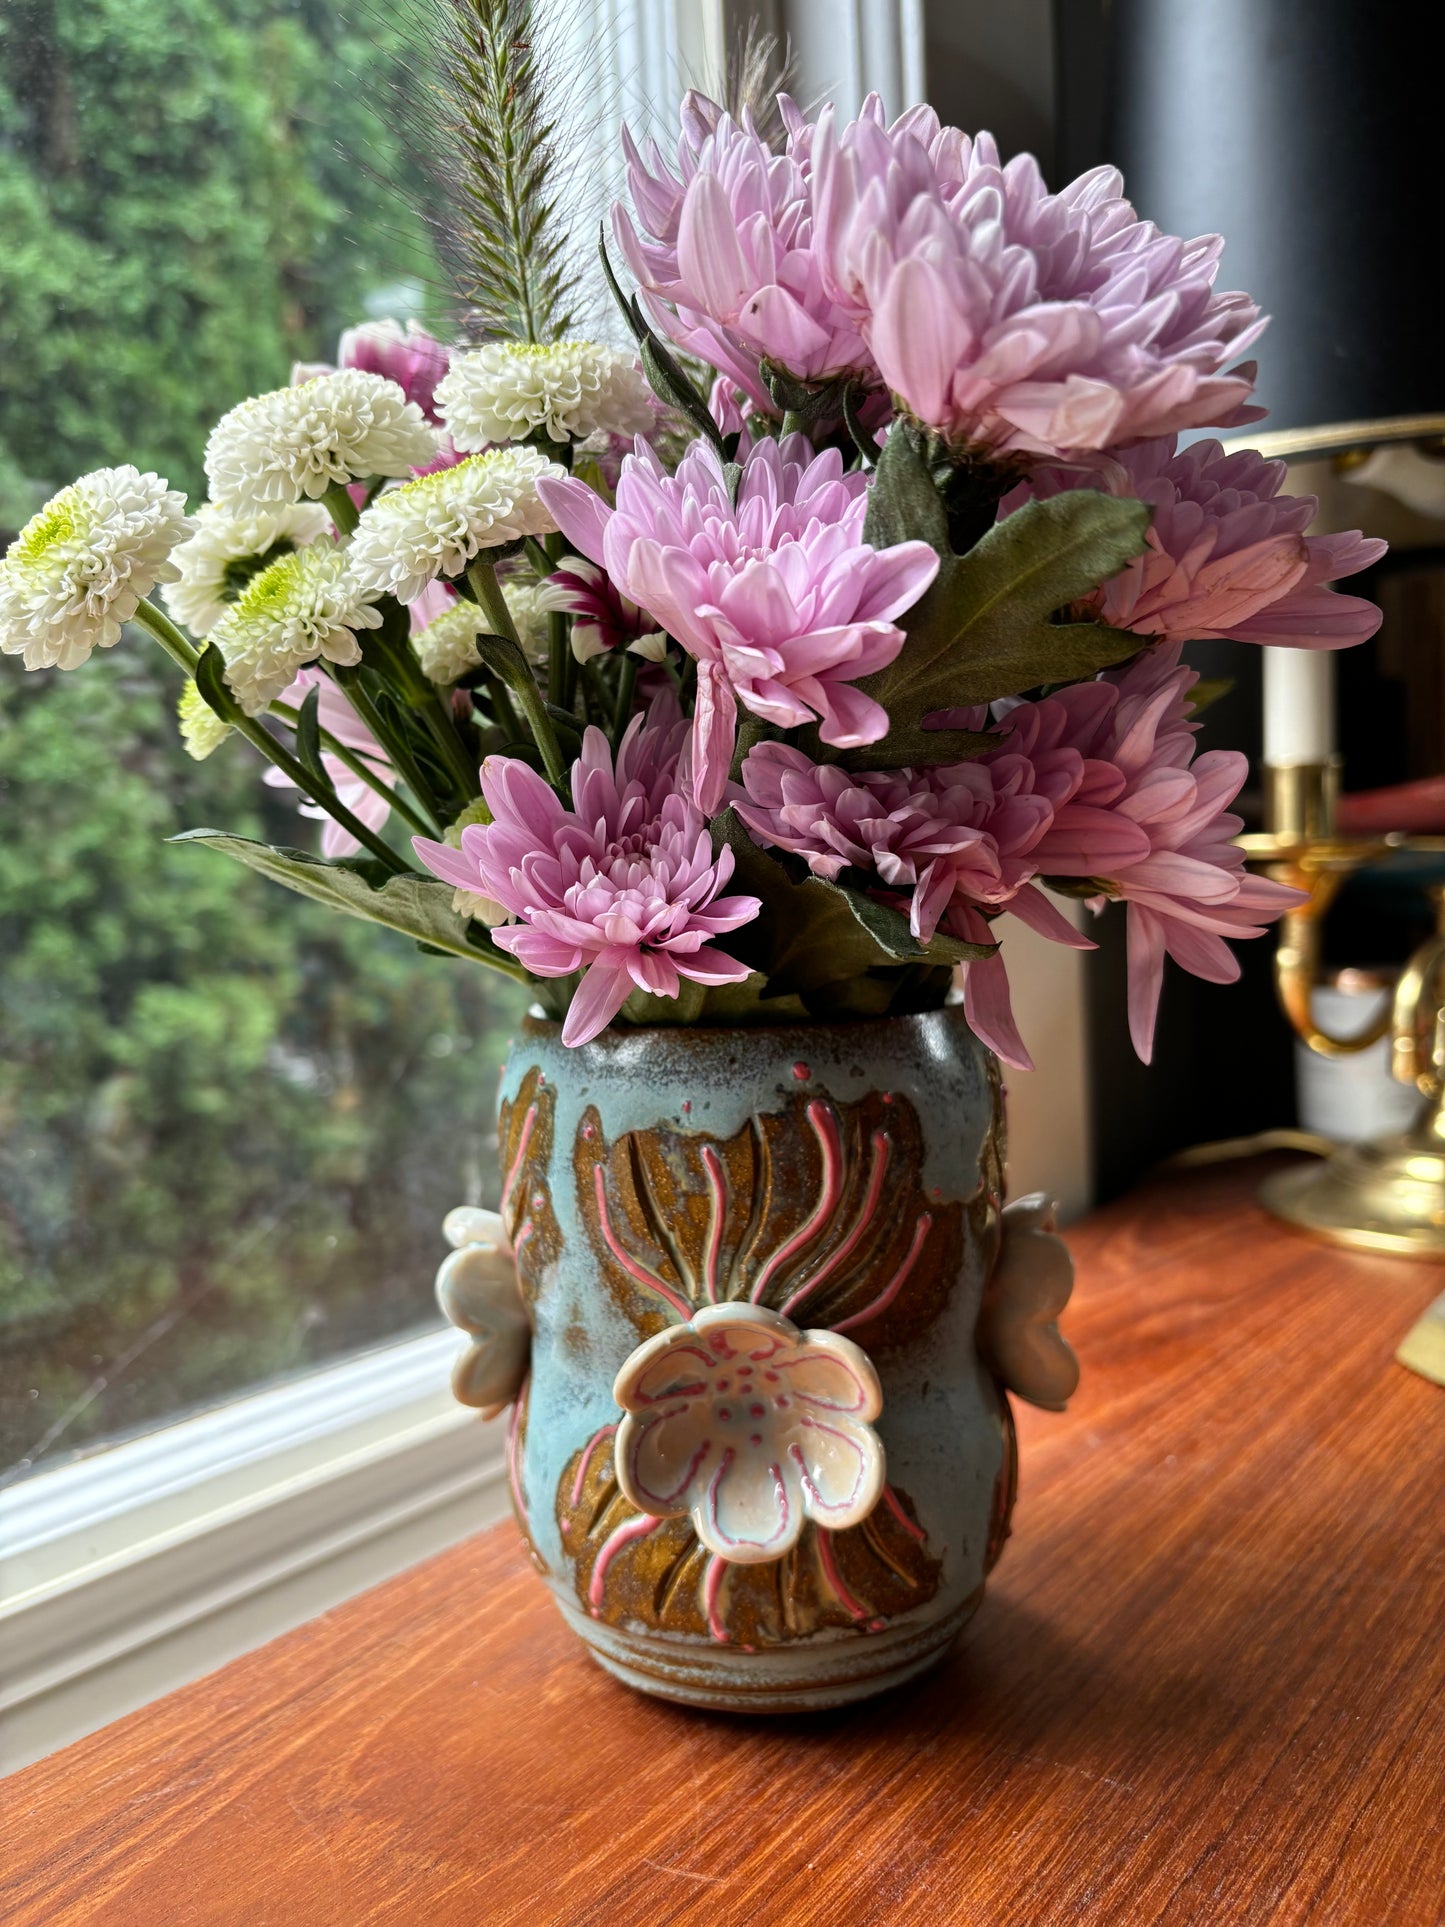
[(1309, 133)]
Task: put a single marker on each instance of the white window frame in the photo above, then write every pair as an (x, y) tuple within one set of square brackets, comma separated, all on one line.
[(126, 1573)]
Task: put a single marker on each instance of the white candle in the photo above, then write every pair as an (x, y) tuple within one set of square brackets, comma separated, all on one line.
[(1299, 705)]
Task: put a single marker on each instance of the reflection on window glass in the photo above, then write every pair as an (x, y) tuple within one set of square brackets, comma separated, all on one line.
[(229, 1123)]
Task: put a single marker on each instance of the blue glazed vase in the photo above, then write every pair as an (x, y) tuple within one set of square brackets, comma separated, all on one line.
[(757, 1345)]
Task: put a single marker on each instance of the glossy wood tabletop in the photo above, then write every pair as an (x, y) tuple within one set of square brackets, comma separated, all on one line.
[(1206, 1685)]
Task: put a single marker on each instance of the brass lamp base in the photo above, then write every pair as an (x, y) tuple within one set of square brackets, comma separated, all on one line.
[(1388, 1195)]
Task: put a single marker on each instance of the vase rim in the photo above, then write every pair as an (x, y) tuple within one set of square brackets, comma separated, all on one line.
[(615, 1037)]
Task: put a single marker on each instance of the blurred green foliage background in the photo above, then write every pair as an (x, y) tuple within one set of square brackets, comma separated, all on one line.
[(229, 1124)]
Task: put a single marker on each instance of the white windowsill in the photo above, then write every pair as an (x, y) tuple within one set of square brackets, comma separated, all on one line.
[(126, 1574)]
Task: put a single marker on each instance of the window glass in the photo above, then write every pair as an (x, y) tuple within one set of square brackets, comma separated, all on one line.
[(229, 1123)]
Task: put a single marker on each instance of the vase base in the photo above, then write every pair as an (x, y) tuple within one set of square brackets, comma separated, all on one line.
[(808, 1677)]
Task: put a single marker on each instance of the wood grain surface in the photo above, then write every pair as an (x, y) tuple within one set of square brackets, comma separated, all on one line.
[(1206, 1685)]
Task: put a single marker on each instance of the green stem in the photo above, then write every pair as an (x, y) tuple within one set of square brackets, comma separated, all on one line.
[(395, 746), (442, 726), (793, 424), (626, 684), (164, 631), (342, 509), (502, 710), (561, 669), (483, 578), (359, 766), (596, 700), (328, 799), (180, 651)]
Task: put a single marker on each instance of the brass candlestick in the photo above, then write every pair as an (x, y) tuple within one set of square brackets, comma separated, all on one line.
[(1389, 1194)]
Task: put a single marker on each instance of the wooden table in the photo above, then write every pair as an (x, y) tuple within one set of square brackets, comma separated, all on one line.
[(1206, 1685)]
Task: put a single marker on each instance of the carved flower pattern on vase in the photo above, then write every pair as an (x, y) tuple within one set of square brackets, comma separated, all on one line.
[(751, 1427), (816, 1209)]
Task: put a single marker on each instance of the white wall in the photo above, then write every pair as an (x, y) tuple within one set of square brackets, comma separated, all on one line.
[(1049, 1145)]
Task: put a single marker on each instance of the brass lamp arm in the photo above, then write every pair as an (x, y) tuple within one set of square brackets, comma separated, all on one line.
[(1297, 956)]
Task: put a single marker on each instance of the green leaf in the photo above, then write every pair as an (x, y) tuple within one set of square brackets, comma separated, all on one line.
[(505, 659), (908, 745), (666, 375), (417, 906), (984, 629), (308, 739), (1208, 691), (670, 383), (903, 503), (889, 930), (211, 682)]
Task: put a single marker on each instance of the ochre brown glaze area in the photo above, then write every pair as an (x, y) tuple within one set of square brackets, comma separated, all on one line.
[(524, 1141), (816, 1191), (852, 1580), (516, 1452), (1006, 1487), (985, 1208)]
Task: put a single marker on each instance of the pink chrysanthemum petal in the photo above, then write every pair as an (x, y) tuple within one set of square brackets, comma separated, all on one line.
[(1228, 555), (624, 886)]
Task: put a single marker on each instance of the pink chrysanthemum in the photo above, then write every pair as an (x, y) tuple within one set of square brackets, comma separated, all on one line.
[(623, 886), (726, 259), (1228, 554), (1188, 890), (1014, 319), (412, 358), (777, 596), (946, 845), (340, 720)]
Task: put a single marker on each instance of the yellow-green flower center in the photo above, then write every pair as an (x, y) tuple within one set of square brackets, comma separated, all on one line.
[(269, 592), (57, 522)]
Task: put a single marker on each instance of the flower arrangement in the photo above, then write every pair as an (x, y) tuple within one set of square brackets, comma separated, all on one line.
[(766, 669)]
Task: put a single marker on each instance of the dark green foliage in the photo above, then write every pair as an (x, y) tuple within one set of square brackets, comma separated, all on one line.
[(193, 194), (988, 627), (230, 1120)]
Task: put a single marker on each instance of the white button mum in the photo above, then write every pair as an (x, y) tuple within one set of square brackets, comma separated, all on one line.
[(202, 730), (77, 570), (226, 550), (435, 525), (297, 442), (447, 647), (508, 390), (304, 606)]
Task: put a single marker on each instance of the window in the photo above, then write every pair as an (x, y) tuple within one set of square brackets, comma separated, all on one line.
[(229, 1123)]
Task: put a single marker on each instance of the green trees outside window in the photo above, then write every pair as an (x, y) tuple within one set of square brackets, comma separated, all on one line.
[(229, 1124)]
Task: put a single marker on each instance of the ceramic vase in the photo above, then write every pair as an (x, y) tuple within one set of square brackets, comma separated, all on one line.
[(756, 1304)]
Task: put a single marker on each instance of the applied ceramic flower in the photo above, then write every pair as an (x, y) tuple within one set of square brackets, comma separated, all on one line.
[(1018, 1328), (752, 1427), (477, 1289)]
